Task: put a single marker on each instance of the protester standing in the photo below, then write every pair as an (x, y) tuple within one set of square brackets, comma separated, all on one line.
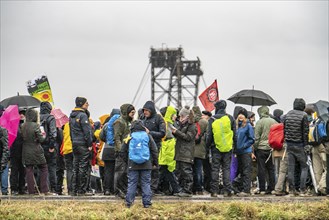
[(81, 137)]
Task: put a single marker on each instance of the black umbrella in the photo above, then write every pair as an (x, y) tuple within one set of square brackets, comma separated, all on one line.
[(252, 97), (23, 101), (321, 108)]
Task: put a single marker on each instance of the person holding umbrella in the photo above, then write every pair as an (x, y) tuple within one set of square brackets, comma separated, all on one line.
[(4, 153)]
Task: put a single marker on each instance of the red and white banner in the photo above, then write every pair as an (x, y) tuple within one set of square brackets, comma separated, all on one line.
[(209, 96)]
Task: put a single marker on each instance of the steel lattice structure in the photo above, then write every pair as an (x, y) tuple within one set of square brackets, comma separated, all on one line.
[(174, 78)]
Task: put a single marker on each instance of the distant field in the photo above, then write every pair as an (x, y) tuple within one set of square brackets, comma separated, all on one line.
[(161, 210)]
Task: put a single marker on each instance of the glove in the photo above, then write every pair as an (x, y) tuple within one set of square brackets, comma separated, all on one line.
[(308, 149)]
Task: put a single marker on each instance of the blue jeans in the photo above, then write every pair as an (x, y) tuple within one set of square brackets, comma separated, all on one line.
[(145, 179), (197, 175), (4, 180)]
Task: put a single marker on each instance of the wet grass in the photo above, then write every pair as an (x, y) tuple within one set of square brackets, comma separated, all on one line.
[(177, 210)]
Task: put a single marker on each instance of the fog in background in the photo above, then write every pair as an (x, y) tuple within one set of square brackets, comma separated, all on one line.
[(100, 50)]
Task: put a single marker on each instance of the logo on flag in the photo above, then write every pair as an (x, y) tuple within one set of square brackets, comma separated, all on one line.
[(209, 96), (40, 89)]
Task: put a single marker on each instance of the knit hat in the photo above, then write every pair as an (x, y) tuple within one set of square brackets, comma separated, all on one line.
[(184, 112), (80, 101), (207, 113), (220, 105), (244, 112), (277, 113)]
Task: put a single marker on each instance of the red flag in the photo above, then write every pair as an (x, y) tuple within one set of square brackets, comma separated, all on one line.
[(209, 96)]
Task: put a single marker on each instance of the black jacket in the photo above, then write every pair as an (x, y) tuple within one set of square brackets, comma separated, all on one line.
[(155, 123), (153, 161), (50, 126), (296, 125), (80, 128), (4, 153)]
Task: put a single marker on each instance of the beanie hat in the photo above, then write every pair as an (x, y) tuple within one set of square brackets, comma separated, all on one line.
[(277, 113), (184, 112), (80, 101), (220, 105), (130, 108), (244, 112), (207, 113)]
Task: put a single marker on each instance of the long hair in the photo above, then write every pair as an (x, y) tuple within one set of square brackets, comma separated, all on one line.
[(244, 122)]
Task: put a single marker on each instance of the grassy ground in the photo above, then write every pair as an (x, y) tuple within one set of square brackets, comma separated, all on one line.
[(160, 210)]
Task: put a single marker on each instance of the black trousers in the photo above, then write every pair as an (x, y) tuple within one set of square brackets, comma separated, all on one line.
[(223, 160), (81, 167), (109, 176), (17, 175), (60, 167), (265, 168), (184, 172)]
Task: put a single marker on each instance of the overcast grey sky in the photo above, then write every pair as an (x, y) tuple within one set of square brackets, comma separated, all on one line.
[(99, 50)]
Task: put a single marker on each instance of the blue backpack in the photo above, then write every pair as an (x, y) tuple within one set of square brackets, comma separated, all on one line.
[(110, 130), (322, 130), (139, 151)]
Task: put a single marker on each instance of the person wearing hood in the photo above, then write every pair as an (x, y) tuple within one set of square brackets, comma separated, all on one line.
[(108, 153), (121, 130), (50, 146), (296, 131), (243, 150), (156, 127), (139, 141), (33, 153), (184, 150), (200, 151), (168, 179), (17, 171), (262, 149), (221, 139), (81, 137)]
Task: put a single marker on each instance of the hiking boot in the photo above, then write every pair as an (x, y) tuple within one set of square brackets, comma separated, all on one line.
[(279, 193), (227, 194), (262, 193), (304, 194), (183, 194), (158, 193), (243, 194), (199, 193), (121, 195), (214, 195), (14, 193)]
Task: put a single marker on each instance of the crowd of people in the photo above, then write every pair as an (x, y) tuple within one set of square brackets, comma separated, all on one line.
[(174, 152)]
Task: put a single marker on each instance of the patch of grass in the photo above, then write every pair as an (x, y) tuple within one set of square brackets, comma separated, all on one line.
[(17, 210)]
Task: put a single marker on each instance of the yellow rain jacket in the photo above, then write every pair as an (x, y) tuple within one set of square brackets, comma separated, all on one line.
[(167, 151)]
